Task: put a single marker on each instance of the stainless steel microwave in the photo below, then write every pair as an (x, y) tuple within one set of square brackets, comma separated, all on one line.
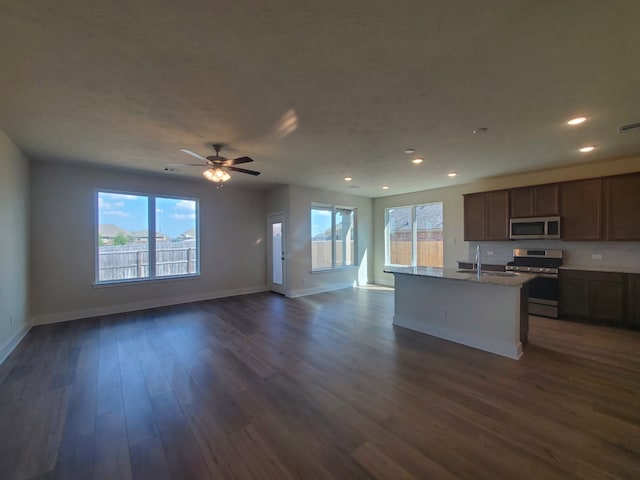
[(534, 228)]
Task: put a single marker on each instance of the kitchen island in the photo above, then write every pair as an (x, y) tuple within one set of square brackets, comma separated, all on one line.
[(489, 313)]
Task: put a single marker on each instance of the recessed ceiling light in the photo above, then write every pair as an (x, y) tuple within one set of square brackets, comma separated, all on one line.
[(410, 150), (348, 179), (385, 187), (418, 160), (588, 149), (452, 174), (577, 120)]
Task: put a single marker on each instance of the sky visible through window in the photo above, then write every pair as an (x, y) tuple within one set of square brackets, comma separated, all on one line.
[(129, 212), (174, 216), (320, 221)]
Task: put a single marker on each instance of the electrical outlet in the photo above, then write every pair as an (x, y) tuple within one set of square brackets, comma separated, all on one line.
[(11, 320), (490, 253), (596, 256), (443, 312)]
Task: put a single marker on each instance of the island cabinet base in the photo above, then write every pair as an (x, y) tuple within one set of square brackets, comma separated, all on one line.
[(489, 317)]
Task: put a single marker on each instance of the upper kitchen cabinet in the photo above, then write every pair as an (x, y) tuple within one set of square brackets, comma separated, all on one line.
[(474, 216), (538, 201), (622, 200), (486, 216), (581, 207), (497, 215)]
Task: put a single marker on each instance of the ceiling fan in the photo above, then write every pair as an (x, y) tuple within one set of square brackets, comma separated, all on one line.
[(218, 166)]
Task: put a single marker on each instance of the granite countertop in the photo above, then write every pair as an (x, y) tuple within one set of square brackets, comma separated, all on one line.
[(601, 268), (505, 279)]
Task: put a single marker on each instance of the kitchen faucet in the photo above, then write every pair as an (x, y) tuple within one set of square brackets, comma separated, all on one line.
[(478, 262)]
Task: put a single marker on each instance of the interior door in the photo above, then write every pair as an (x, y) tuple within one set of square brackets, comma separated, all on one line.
[(276, 253)]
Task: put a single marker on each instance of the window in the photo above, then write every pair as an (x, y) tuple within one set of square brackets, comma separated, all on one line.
[(413, 235), (126, 251), (333, 237)]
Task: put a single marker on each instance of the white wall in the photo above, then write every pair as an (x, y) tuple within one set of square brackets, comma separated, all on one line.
[(455, 248), (14, 245), (232, 248), (300, 279)]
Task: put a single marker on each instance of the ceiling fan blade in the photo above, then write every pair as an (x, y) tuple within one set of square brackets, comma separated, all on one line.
[(236, 161), (193, 154), (243, 170)]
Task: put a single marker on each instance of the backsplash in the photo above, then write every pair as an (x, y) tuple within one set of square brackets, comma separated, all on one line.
[(614, 254)]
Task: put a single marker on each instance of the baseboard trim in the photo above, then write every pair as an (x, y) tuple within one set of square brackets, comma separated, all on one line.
[(12, 343), (384, 283), (315, 290), (487, 344), (144, 305)]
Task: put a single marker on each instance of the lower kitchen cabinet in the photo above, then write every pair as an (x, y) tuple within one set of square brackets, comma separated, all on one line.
[(598, 296), (574, 294), (633, 300)]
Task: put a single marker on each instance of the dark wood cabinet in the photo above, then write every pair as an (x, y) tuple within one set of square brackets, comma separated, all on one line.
[(581, 207), (574, 294), (546, 200), (622, 200), (486, 216), (497, 215), (605, 208), (592, 295), (474, 216), (633, 299), (521, 200), (537, 201), (606, 297)]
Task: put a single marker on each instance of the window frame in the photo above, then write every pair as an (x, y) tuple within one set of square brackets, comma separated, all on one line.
[(333, 209), (414, 234), (151, 239)]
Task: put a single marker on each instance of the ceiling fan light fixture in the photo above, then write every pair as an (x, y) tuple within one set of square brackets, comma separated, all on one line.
[(216, 175)]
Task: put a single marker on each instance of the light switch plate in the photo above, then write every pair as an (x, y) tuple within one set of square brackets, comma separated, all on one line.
[(596, 256)]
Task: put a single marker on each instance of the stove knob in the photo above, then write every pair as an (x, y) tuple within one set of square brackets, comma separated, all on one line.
[(528, 269)]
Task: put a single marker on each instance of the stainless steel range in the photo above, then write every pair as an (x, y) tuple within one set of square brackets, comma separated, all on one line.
[(543, 290)]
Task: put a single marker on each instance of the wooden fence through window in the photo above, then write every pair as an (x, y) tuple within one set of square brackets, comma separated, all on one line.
[(131, 261)]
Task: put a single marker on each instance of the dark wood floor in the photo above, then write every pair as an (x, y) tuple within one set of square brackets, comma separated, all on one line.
[(261, 386)]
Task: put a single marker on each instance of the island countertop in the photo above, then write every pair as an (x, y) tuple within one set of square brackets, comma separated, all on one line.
[(505, 279)]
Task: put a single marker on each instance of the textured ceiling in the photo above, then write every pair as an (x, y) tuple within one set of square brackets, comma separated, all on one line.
[(316, 91)]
